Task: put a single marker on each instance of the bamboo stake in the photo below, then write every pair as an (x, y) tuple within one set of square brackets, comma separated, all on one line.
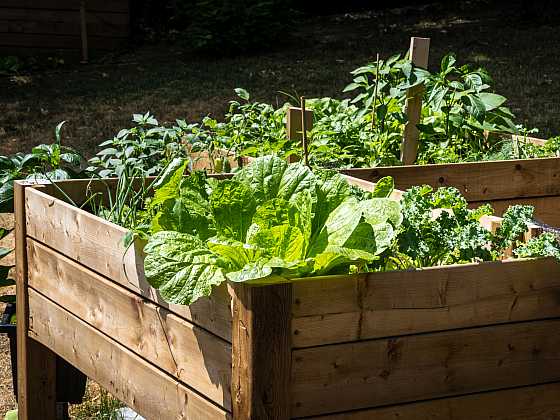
[(304, 133), (419, 52), (373, 114)]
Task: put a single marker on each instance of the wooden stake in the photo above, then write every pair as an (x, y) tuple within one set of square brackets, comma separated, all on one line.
[(83, 25), (36, 364), (419, 52), (294, 128), (304, 133), (373, 113), (262, 357)]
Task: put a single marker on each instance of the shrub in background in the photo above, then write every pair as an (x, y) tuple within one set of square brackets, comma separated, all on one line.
[(232, 26)]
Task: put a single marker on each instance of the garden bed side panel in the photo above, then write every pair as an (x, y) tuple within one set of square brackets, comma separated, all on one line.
[(501, 183), (165, 361), (388, 339), (539, 402)]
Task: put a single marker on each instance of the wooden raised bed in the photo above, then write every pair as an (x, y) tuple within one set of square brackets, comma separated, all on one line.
[(534, 182), (475, 341)]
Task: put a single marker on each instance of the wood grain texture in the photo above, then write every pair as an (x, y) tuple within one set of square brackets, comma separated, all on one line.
[(113, 6), (261, 352), (294, 120), (378, 305), (36, 364), (372, 373), (370, 186), (477, 181), (526, 403), (11, 40), (546, 208), (98, 245), (144, 388), (194, 356)]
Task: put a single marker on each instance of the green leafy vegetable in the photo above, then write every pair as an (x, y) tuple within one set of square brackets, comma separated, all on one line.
[(271, 219)]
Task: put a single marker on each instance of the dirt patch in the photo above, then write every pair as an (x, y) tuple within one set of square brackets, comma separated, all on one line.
[(7, 400)]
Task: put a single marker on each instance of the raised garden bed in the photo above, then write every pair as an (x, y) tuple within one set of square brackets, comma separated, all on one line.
[(501, 183), (465, 341)]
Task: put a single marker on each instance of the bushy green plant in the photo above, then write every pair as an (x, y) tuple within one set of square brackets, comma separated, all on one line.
[(10, 65), (148, 147), (227, 27), (46, 161)]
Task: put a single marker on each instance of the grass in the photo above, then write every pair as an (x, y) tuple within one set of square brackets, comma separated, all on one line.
[(315, 59), (98, 404)]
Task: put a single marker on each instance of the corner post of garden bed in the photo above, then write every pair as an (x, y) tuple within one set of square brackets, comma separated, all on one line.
[(419, 53), (261, 359), (36, 363)]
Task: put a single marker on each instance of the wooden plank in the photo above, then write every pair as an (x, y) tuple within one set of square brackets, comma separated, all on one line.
[(262, 352), (477, 181), (141, 386), (194, 356), (538, 402), (100, 29), (59, 41), (294, 120), (58, 28), (98, 245), (36, 364), (372, 373), (114, 6), (547, 209), (536, 141), (63, 16), (419, 52), (434, 299), (370, 186)]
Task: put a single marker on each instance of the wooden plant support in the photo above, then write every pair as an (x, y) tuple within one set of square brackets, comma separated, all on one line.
[(499, 183), (419, 53), (304, 129), (294, 125), (464, 342)]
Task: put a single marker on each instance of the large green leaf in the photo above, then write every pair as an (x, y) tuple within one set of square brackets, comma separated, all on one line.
[(4, 252), (384, 187), (332, 189), (491, 101), (233, 206), (181, 267), (338, 227), (167, 185), (381, 210), (335, 256), (263, 176), (235, 254)]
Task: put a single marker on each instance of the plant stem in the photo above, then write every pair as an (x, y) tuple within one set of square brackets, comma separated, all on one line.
[(375, 93)]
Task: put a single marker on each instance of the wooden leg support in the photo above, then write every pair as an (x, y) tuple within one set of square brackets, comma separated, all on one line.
[(36, 364)]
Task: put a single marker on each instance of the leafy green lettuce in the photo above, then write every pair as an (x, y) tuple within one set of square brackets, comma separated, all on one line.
[(271, 222)]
